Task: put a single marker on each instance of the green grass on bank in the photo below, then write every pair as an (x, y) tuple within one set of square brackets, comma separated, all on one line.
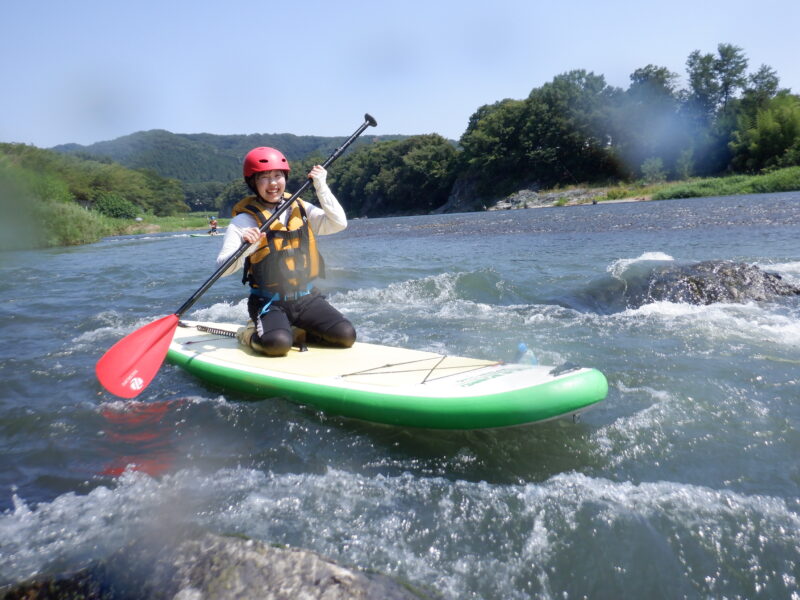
[(782, 180), (185, 222), (197, 221), (48, 224)]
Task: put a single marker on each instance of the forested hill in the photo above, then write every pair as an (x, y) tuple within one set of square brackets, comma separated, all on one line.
[(198, 158), (575, 129)]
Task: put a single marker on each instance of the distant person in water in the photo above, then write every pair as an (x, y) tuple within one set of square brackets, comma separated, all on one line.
[(281, 264), (213, 224)]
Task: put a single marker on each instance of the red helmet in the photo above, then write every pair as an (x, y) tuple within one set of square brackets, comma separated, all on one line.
[(264, 159)]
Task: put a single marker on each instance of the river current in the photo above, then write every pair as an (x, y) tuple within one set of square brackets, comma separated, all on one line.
[(683, 483)]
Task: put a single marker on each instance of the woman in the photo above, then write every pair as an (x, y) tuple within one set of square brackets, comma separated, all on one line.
[(282, 262)]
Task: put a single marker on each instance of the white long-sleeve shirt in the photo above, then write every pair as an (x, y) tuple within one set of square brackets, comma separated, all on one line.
[(329, 219)]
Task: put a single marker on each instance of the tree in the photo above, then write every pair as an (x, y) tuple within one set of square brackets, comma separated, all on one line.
[(647, 121), (773, 140), (653, 84), (114, 205), (568, 133), (763, 83), (653, 170), (709, 106), (704, 90), (69, 178), (491, 145), (230, 195), (763, 86), (730, 67), (684, 166), (715, 80), (408, 176), (560, 133), (202, 196)]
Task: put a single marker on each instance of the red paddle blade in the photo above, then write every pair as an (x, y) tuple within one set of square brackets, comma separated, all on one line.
[(131, 364)]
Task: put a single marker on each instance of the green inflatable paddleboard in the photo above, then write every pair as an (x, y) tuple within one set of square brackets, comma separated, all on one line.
[(393, 386)]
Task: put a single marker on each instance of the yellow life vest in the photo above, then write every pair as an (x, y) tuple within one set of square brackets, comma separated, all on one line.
[(287, 259)]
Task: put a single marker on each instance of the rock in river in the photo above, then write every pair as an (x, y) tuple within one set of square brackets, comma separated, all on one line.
[(212, 567)]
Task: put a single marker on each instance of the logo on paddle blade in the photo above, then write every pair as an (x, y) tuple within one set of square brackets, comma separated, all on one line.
[(136, 383)]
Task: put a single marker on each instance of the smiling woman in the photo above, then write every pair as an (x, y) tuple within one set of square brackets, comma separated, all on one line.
[(283, 260), (130, 365), (270, 185)]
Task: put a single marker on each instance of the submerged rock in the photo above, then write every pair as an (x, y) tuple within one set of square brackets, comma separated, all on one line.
[(212, 567), (703, 283), (715, 281), (222, 568)]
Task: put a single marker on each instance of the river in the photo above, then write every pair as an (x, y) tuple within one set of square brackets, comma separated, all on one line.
[(683, 483)]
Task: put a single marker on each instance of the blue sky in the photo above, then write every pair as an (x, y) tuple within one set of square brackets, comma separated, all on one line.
[(90, 70)]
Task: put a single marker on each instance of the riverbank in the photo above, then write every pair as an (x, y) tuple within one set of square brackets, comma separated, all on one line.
[(76, 225), (188, 222), (782, 180)]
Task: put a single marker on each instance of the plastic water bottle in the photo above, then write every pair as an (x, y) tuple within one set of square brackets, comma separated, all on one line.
[(525, 355)]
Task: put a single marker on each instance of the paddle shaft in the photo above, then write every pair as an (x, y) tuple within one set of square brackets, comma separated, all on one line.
[(368, 122)]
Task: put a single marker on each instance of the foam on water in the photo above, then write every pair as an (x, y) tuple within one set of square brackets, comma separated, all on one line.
[(222, 312), (444, 297), (459, 537), (134, 406), (633, 436), (758, 322), (396, 313), (790, 271), (116, 326), (618, 267), (415, 292), (386, 315), (143, 238)]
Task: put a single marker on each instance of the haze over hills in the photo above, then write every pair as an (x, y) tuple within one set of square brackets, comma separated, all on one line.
[(203, 157)]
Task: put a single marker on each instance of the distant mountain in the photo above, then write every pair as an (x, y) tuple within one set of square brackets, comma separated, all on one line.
[(204, 157)]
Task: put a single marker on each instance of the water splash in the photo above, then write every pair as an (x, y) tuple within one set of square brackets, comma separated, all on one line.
[(619, 267), (470, 537)]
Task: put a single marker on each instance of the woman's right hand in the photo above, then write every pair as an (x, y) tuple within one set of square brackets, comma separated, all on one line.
[(252, 234)]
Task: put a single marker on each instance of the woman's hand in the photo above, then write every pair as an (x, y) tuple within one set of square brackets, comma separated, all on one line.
[(318, 175), (252, 234)]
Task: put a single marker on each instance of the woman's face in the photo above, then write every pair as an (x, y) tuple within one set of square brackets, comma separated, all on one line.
[(271, 185)]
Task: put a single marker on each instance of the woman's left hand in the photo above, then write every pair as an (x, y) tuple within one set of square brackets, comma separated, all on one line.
[(318, 175)]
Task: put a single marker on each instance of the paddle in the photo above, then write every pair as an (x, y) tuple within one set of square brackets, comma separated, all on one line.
[(130, 365)]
